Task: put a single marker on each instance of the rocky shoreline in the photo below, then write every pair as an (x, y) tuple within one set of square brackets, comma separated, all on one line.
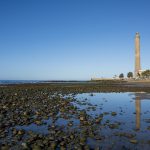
[(44, 106)]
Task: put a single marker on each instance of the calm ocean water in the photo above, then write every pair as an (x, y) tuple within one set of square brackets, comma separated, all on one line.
[(40, 81), (18, 81)]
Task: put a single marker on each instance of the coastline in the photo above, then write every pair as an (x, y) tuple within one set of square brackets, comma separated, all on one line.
[(35, 112), (87, 86)]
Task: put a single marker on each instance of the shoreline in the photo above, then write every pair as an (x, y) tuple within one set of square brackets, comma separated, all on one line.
[(98, 86)]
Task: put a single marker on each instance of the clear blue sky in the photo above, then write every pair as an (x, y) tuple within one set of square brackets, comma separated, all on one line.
[(71, 39)]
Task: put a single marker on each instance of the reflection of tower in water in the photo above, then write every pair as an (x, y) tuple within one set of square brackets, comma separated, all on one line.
[(138, 112), (139, 97)]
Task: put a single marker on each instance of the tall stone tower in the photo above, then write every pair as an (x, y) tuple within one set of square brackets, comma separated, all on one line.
[(137, 54)]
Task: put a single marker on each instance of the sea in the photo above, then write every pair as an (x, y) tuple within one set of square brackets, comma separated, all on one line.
[(18, 81), (2, 82)]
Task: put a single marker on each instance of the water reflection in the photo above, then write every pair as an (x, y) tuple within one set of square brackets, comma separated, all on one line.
[(138, 112), (138, 98)]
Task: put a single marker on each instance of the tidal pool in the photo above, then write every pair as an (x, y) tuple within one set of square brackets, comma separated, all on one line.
[(126, 117)]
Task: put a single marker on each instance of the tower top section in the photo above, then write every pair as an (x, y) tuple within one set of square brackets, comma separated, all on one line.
[(137, 34)]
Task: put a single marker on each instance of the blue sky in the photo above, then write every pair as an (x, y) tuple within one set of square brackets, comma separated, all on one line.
[(71, 39)]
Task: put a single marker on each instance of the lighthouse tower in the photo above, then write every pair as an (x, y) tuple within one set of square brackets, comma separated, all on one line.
[(137, 55)]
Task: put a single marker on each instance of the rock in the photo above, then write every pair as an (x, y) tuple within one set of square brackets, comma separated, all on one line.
[(38, 122), (127, 135), (20, 132), (36, 147), (15, 94), (86, 147), (147, 120), (5, 147), (71, 136), (113, 113), (24, 145), (53, 145), (82, 118), (98, 120), (62, 148), (113, 126), (62, 143), (133, 141), (70, 124)]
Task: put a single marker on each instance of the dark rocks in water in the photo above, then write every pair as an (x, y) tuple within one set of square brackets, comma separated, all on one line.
[(82, 140), (125, 134), (113, 126), (133, 141), (98, 119), (91, 94), (70, 123), (147, 120), (107, 121), (106, 113), (82, 118), (113, 113)]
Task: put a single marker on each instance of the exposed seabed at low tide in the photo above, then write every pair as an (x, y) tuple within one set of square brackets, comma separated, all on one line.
[(49, 119)]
